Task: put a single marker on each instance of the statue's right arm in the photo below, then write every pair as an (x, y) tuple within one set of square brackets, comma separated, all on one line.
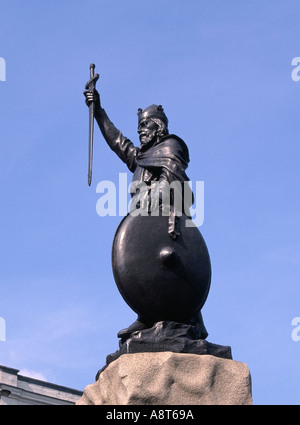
[(122, 146)]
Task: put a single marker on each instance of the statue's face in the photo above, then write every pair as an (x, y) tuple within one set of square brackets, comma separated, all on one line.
[(147, 131)]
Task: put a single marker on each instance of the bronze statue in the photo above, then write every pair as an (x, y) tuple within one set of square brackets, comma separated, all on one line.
[(161, 267)]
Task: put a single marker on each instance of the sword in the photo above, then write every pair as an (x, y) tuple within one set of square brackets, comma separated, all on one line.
[(91, 85)]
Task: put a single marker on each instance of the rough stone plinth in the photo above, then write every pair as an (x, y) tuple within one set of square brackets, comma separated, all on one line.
[(168, 378)]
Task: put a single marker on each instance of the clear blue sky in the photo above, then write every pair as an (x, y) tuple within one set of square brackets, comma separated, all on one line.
[(222, 71)]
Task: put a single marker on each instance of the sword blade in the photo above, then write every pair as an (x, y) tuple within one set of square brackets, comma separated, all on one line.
[(91, 141)]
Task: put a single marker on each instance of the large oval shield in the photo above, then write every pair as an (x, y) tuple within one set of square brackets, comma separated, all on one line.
[(159, 277)]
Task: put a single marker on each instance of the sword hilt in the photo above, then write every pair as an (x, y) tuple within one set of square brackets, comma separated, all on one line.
[(92, 70), (91, 84)]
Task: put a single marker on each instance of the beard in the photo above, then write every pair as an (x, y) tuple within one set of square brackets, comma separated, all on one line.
[(147, 139)]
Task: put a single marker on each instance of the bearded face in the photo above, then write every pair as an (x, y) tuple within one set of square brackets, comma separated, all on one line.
[(147, 130)]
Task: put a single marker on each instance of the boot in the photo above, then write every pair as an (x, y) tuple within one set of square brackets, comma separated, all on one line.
[(140, 324)]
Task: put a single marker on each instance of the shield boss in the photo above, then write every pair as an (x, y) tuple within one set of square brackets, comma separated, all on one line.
[(158, 277)]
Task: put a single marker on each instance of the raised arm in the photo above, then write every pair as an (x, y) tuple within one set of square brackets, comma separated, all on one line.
[(122, 146)]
